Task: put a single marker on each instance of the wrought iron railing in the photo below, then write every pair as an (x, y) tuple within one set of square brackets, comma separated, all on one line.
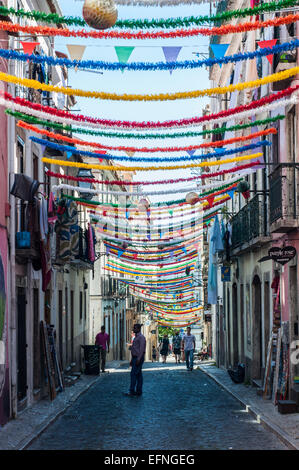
[(250, 222), (283, 193)]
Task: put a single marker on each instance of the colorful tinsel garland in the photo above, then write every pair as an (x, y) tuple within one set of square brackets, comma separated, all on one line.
[(220, 153), (144, 183), (122, 135), (66, 117), (35, 84), (114, 34), (54, 18), (148, 66), (74, 141)]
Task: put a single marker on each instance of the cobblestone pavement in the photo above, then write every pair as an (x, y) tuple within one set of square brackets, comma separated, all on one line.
[(179, 410)]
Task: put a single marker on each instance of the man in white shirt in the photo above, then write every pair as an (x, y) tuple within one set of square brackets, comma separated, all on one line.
[(189, 346)]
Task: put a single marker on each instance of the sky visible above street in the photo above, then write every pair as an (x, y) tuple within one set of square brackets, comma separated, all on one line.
[(142, 82)]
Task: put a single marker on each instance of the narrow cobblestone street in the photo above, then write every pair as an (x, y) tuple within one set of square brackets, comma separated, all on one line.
[(179, 410)]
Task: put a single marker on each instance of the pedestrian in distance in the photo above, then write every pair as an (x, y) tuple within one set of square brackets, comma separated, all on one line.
[(189, 346), (154, 354), (164, 348), (176, 341), (137, 352), (103, 341)]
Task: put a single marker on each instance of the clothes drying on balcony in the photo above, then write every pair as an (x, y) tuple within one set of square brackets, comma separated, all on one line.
[(67, 230)]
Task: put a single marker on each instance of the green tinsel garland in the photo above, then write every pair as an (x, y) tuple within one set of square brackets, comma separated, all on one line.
[(157, 204), (153, 23), (77, 130)]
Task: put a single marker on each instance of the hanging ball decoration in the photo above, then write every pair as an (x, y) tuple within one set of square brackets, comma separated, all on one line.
[(100, 14), (192, 198), (143, 204)]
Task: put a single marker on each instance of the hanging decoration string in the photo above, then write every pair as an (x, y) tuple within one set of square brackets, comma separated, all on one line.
[(181, 33), (54, 18), (228, 185), (220, 153), (150, 168), (121, 135), (65, 117), (147, 66), (35, 84), (72, 140), (236, 169)]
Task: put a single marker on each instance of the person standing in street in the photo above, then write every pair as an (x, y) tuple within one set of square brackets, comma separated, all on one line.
[(176, 341), (188, 347), (103, 341), (164, 348), (137, 351), (154, 354)]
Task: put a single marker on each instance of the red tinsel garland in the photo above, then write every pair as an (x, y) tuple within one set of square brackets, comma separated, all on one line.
[(72, 140), (217, 30), (149, 124), (138, 183)]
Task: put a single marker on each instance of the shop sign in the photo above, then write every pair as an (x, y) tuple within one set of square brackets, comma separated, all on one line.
[(225, 273), (282, 255)]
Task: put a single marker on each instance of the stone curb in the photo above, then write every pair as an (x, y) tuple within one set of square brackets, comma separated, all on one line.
[(257, 414), (23, 444)]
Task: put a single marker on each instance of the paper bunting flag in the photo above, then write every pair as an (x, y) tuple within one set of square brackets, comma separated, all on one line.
[(210, 200), (120, 252), (130, 154), (231, 193), (269, 43), (107, 250), (171, 54), (28, 47), (219, 50), (191, 152), (43, 148), (123, 53), (76, 51), (68, 154)]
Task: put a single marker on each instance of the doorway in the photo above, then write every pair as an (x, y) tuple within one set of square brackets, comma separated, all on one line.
[(256, 328), (235, 324), (22, 345)]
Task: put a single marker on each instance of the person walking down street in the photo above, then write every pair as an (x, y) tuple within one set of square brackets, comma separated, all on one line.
[(176, 341), (137, 352), (154, 354), (189, 346), (164, 348), (103, 341)]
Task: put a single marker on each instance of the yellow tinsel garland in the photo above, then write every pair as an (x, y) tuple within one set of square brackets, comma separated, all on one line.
[(150, 168), (159, 97)]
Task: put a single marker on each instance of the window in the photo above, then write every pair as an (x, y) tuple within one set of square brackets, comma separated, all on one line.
[(35, 167), (81, 306)]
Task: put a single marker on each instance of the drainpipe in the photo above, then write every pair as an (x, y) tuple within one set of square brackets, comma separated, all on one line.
[(12, 230)]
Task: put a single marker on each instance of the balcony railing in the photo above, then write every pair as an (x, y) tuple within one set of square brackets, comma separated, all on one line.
[(283, 199), (250, 224)]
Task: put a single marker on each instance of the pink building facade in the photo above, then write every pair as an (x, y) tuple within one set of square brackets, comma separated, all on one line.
[(4, 278)]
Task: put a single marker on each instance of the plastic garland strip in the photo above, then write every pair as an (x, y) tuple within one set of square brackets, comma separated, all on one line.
[(229, 185), (72, 140), (157, 217), (220, 153), (236, 169), (154, 23), (150, 168), (66, 117), (181, 33), (121, 135), (147, 66), (35, 84)]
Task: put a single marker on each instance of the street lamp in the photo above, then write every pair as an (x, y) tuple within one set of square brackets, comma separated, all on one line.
[(85, 173)]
